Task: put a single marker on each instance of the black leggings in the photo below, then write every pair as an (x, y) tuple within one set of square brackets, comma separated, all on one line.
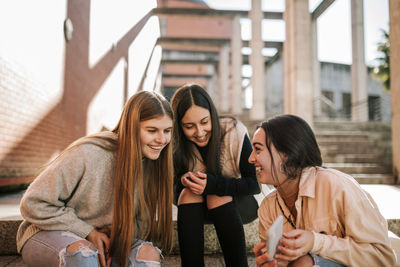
[(228, 225)]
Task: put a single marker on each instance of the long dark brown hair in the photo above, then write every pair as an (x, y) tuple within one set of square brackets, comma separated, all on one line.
[(184, 98), (294, 138)]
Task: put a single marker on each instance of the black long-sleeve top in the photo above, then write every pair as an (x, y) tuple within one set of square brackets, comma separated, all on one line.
[(228, 186)]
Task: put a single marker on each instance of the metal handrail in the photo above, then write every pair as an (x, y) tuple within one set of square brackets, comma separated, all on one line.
[(374, 108)]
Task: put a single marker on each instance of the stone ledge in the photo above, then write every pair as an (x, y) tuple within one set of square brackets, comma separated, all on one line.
[(215, 260), (394, 226), (8, 231), (211, 243)]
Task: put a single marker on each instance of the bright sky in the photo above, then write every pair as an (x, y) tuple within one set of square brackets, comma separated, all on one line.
[(334, 26)]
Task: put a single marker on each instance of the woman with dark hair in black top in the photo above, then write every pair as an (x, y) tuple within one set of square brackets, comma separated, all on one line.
[(212, 172)]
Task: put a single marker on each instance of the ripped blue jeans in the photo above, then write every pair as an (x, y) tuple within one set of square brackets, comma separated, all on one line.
[(322, 262), (48, 248)]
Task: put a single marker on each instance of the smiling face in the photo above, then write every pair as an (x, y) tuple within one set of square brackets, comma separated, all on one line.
[(155, 134), (261, 158), (197, 125)]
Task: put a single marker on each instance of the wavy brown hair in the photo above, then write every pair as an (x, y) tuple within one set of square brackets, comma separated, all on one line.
[(151, 180)]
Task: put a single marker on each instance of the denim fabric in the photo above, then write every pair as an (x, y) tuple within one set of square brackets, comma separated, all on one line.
[(80, 259), (134, 262), (48, 248), (322, 262)]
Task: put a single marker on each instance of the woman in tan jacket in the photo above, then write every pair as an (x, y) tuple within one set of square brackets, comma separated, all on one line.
[(328, 220)]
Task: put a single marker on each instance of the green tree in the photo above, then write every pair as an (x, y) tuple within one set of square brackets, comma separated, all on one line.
[(382, 71)]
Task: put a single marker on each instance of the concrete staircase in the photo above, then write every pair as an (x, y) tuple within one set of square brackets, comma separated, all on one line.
[(362, 150)]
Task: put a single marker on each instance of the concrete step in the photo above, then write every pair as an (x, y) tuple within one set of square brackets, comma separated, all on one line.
[(386, 197), (374, 178), (360, 168), (354, 149), (351, 142), (346, 125), (353, 158), (9, 227), (327, 142), (341, 135), (10, 220), (357, 133), (216, 260)]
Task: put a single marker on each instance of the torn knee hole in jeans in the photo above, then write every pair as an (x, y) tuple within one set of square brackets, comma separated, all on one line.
[(82, 247), (150, 252)]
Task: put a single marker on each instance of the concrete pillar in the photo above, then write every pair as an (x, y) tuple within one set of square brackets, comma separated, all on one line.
[(223, 69), (256, 59), (237, 62), (316, 69), (359, 93), (298, 81), (394, 38), (212, 84)]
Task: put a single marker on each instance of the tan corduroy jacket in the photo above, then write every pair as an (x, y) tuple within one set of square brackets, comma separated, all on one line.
[(347, 225)]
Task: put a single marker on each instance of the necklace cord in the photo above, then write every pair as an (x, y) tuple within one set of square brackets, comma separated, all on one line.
[(286, 217)]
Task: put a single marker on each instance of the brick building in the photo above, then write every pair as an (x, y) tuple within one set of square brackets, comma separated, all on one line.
[(54, 90)]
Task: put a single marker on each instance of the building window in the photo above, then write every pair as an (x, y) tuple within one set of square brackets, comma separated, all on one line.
[(374, 108), (346, 105)]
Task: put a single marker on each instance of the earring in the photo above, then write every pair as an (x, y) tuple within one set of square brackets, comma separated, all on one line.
[(281, 168)]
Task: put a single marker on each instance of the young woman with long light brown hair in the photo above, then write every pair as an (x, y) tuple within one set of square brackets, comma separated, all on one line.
[(107, 199)]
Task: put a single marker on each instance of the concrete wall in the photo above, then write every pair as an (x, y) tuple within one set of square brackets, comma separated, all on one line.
[(336, 78), (31, 84), (53, 91), (335, 81)]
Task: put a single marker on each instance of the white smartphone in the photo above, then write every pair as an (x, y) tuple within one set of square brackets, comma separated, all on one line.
[(274, 235)]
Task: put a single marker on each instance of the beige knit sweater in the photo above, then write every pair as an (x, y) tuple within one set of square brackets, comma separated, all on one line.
[(74, 193)]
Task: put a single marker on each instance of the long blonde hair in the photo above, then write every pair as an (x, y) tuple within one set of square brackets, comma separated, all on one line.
[(151, 180)]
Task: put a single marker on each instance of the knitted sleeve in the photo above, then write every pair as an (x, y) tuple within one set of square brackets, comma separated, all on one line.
[(45, 203)]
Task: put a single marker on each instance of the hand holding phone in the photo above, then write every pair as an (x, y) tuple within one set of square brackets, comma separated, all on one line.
[(190, 179), (274, 235), (195, 182)]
